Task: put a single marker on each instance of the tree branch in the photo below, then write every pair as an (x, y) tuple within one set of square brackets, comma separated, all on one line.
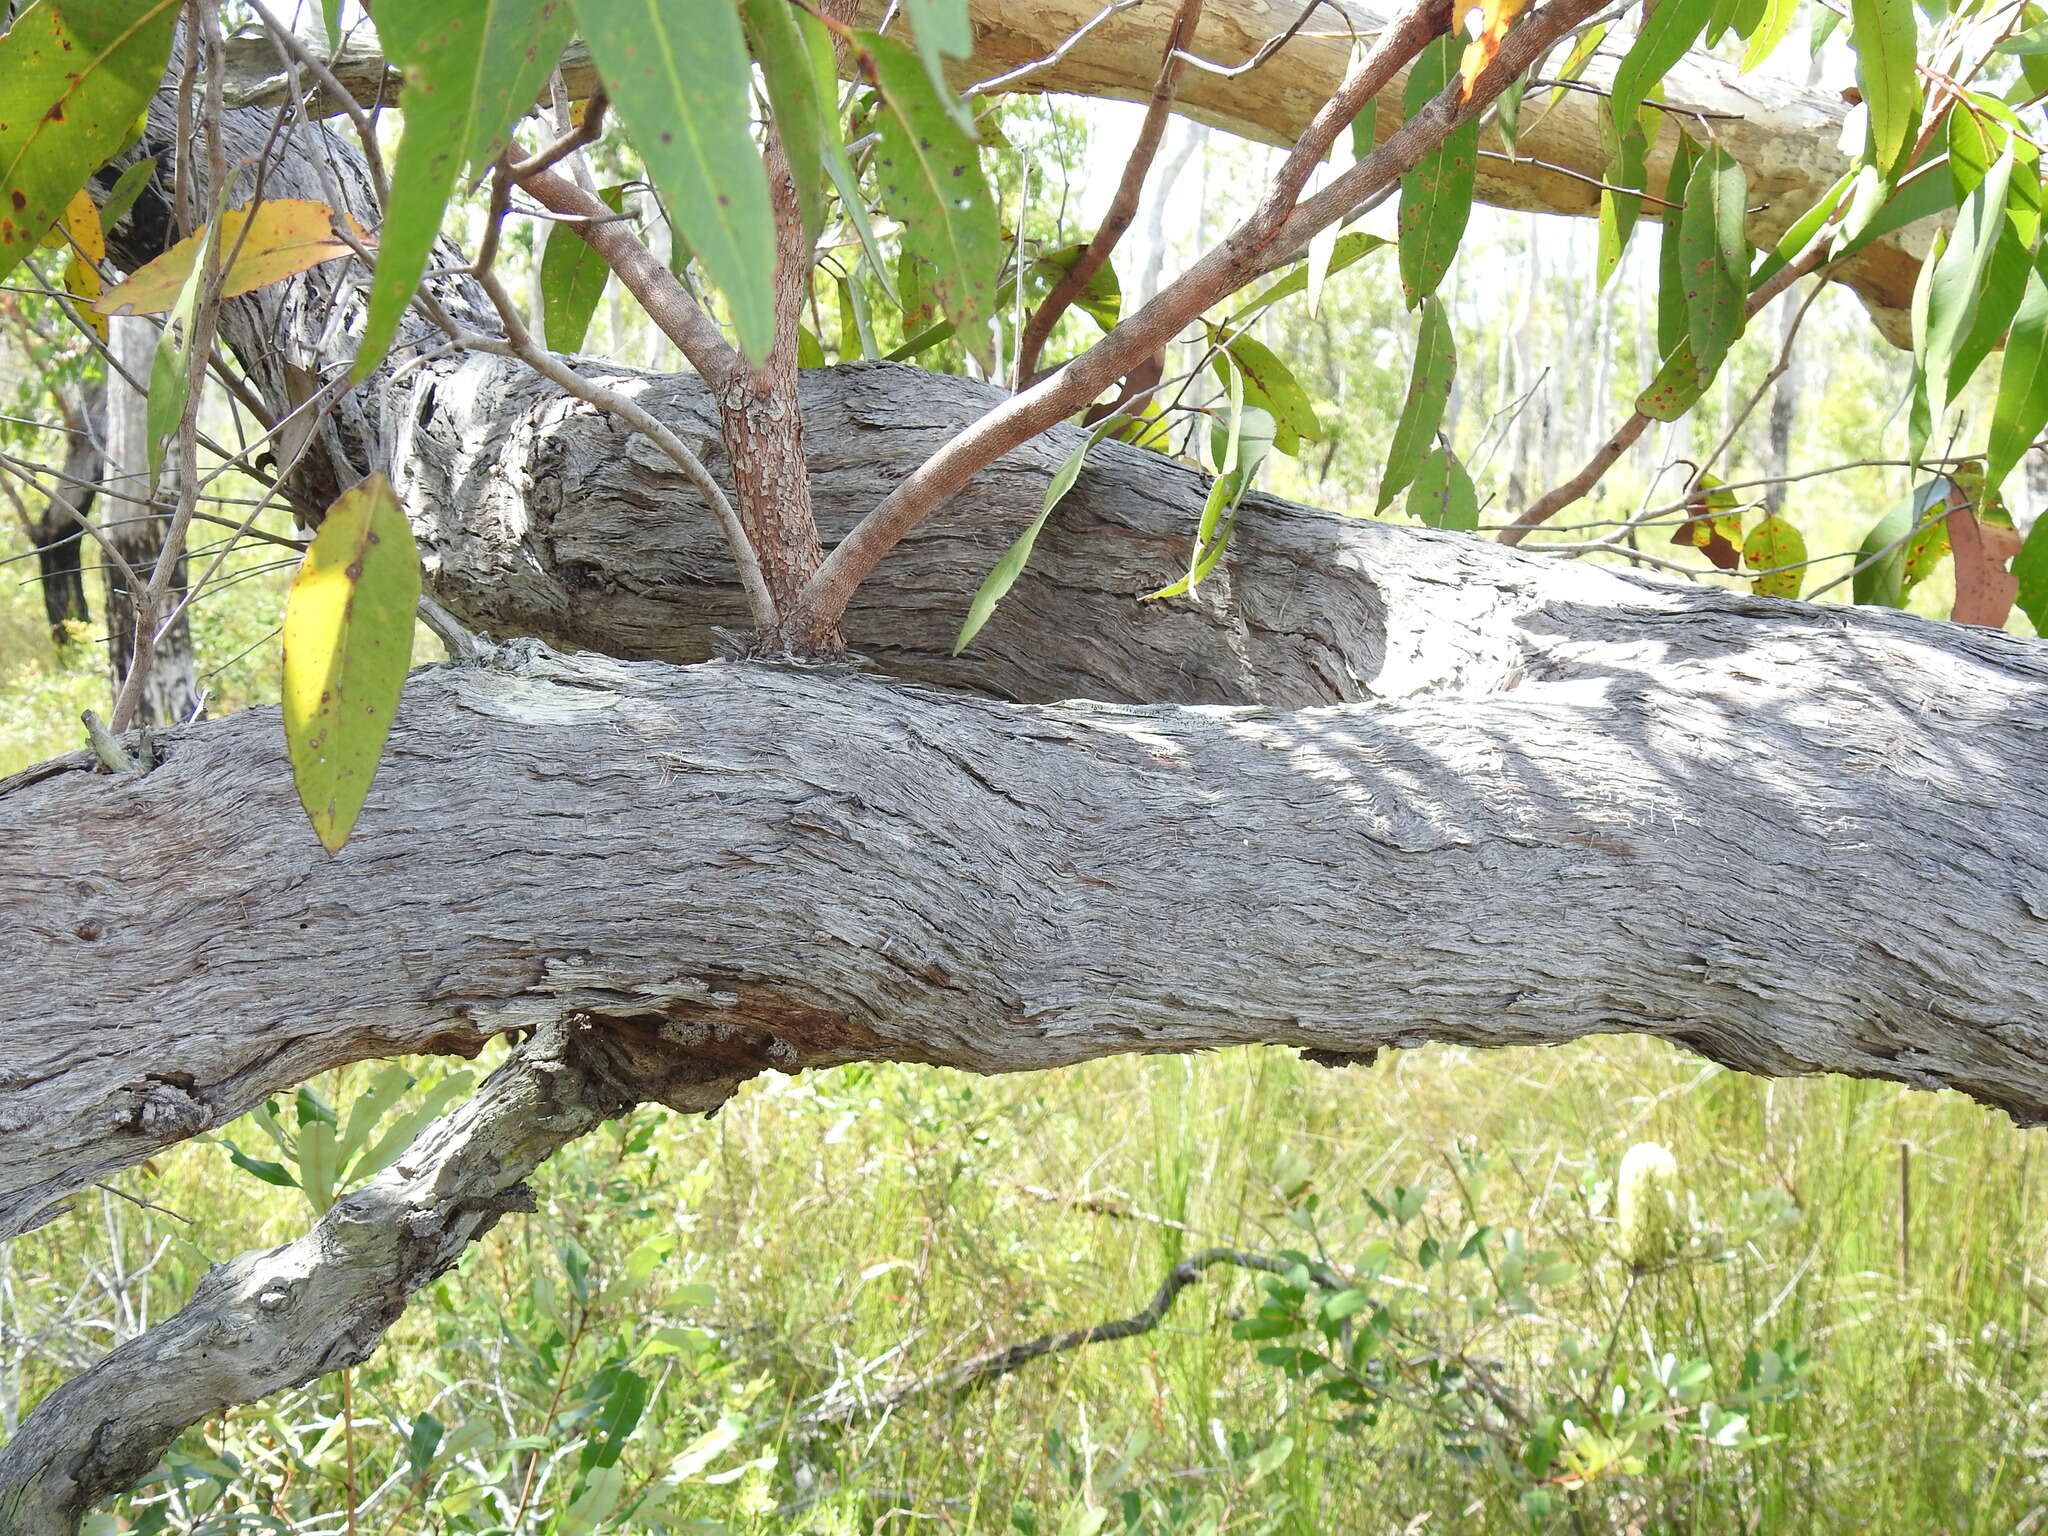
[(1123, 206), (275, 1319), (1679, 819)]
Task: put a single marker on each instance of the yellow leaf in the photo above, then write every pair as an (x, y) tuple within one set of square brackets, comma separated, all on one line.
[(80, 230), (348, 624), (284, 237), (1495, 17)]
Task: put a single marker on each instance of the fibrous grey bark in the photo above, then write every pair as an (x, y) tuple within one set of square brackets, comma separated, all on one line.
[(539, 516), (1792, 838)]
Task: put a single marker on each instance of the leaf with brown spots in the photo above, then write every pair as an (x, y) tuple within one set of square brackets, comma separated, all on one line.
[(73, 76), (1436, 196), (279, 240), (347, 643), (1713, 524), (1776, 551), (929, 172)]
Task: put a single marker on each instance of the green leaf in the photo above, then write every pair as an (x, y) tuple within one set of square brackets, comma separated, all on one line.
[(370, 1106), (1238, 446), (996, 585), (1671, 321), (125, 190), (615, 1422), (170, 364), (423, 1442), (1672, 28), (1924, 192), (572, 280), (2030, 565), (1272, 387), (74, 75), (1442, 495), (1999, 293), (803, 107), (930, 178), (472, 68), (1885, 35), (1436, 195), (316, 1165), (1799, 234), (262, 1167), (941, 29), (1882, 554), (1349, 248), (1770, 31), (1777, 550), (1101, 297), (1714, 255), (1952, 292), (2022, 409), (1619, 209), (348, 624), (1970, 151), (1677, 386), (1429, 391), (681, 80)]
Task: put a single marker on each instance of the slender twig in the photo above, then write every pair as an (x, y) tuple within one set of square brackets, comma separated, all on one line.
[(1561, 496), (1123, 207), (519, 343)]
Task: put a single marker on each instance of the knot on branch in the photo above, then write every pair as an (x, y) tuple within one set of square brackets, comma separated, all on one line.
[(1335, 1059)]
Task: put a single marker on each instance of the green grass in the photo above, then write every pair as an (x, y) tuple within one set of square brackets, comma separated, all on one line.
[(879, 1223)]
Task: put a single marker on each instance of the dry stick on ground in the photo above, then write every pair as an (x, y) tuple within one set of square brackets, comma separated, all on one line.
[(1272, 234), (1123, 207), (277, 1318), (1559, 497)]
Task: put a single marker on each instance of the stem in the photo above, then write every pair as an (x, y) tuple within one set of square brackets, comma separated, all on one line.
[(1123, 208), (1266, 239)]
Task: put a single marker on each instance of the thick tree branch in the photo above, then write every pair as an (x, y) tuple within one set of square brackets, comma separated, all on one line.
[(275, 1319), (1796, 839)]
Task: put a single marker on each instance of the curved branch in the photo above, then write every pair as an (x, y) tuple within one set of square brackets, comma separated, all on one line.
[(274, 1319)]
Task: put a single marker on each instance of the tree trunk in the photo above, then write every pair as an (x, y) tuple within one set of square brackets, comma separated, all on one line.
[(134, 529), (58, 532)]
